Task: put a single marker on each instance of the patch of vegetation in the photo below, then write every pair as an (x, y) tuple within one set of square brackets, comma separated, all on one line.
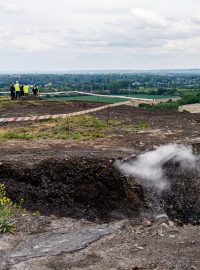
[(141, 126), (9, 135), (8, 210), (88, 98), (190, 97), (6, 103), (84, 127), (3, 98), (137, 127)]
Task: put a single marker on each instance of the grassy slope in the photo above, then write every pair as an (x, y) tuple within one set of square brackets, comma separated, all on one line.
[(84, 127)]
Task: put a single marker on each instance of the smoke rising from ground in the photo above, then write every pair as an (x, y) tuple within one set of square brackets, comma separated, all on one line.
[(148, 167)]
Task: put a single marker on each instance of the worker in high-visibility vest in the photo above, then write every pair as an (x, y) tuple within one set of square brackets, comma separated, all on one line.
[(17, 89), (26, 89)]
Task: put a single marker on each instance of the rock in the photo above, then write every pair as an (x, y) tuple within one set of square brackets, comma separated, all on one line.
[(171, 223), (162, 218), (147, 223), (65, 240), (139, 247), (164, 225), (193, 267), (160, 232)]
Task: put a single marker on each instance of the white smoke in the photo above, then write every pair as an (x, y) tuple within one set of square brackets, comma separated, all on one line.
[(148, 167)]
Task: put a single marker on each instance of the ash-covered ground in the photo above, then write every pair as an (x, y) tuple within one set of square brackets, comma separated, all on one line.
[(93, 215)]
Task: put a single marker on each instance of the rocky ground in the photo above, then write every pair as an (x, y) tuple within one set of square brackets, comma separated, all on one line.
[(93, 217), (70, 244)]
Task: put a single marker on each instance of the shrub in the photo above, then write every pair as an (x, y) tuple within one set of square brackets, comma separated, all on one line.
[(8, 209)]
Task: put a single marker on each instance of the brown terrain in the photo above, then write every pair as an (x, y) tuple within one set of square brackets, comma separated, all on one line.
[(91, 215)]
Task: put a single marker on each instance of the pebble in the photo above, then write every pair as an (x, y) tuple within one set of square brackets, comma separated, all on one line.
[(160, 232), (171, 223), (139, 247), (163, 218), (164, 225), (147, 223)]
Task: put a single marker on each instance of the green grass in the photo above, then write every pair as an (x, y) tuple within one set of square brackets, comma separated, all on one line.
[(147, 96), (6, 103), (141, 126), (89, 98), (108, 99), (9, 135), (84, 127)]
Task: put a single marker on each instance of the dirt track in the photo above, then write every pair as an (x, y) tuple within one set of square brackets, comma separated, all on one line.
[(32, 169)]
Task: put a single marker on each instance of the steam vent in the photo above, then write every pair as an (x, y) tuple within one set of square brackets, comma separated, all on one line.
[(95, 189)]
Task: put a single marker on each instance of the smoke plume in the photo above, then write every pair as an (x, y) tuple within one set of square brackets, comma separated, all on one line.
[(148, 167)]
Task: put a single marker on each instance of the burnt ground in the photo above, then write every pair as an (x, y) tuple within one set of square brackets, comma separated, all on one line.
[(89, 188), (115, 223)]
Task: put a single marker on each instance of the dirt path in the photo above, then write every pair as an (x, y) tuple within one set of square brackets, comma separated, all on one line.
[(192, 108)]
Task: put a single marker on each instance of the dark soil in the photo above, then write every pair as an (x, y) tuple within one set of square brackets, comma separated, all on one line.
[(92, 188), (164, 126), (42, 107), (78, 187), (182, 201)]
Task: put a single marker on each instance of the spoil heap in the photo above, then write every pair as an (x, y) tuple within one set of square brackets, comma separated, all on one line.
[(93, 189), (78, 187)]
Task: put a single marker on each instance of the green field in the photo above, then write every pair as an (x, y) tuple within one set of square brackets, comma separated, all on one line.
[(89, 98), (146, 96), (105, 99)]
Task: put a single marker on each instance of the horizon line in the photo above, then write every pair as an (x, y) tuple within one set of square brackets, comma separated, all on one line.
[(95, 71)]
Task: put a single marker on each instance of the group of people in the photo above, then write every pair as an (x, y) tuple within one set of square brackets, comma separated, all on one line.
[(18, 90)]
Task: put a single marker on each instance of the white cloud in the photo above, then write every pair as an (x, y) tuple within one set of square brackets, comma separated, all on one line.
[(9, 7), (147, 18), (92, 32)]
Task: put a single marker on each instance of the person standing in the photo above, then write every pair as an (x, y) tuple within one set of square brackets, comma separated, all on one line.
[(22, 90), (35, 90), (26, 89), (17, 90), (12, 91)]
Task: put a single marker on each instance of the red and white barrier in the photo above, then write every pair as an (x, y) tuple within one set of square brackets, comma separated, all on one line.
[(56, 116)]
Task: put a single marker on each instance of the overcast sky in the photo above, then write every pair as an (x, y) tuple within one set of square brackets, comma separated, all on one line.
[(59, 35)]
